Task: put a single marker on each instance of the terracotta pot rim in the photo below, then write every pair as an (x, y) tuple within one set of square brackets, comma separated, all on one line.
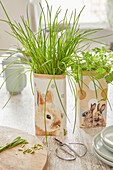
[(85, 73), (47, 76)]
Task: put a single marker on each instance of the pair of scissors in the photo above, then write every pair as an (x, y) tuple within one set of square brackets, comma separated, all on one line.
[(71, 151)]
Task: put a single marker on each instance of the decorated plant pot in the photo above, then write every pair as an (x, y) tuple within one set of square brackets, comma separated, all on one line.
[(92, 110), (55, 116)]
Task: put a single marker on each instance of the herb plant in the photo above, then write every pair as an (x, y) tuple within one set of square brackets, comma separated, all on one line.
[(52, 50), (96, 65), (100, 61)]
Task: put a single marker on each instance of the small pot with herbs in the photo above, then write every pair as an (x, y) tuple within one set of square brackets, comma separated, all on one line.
[(93, 73)]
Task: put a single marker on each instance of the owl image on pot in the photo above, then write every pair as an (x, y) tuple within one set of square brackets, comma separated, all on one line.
[(53, 116)]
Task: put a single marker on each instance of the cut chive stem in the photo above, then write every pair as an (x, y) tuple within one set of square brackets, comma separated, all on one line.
[(18, 141), (15, 142)]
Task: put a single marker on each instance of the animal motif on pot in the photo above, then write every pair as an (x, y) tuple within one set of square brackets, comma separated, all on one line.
[(88, 116), (98, 119), (53, 116)]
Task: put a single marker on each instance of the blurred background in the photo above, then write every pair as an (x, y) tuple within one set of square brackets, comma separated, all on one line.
[(96, 14)]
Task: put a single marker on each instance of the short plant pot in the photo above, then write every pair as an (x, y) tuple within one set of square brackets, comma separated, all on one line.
[(12, 75), (55, 118), (92, 109)]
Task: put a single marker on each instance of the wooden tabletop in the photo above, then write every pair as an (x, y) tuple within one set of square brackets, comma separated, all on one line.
[(13, 159), (19, 114)]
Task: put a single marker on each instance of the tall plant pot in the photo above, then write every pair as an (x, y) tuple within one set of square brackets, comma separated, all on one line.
[(92, 109), (55, 115)]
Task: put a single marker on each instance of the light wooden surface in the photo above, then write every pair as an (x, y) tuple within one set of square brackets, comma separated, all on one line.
[(19, 113), (13, 159)]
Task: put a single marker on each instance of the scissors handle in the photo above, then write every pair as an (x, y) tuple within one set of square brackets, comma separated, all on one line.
[(59, 142), (71, 150), (67, 152), (66, 159), (84, 147)]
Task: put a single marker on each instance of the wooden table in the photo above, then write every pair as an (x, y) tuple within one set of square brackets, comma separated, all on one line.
[(13, 159), (19, 114)]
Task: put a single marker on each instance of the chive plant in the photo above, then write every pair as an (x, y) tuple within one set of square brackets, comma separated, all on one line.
[(52, 50)]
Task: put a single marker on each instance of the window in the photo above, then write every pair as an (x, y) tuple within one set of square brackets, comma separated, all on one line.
[(95, 10)]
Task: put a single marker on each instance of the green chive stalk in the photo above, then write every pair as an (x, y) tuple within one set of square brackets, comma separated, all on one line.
[(12, 144)]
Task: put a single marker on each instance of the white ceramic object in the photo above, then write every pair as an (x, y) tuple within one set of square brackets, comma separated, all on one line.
[(107, 135), (55, 114), (103, 159), (107, 147), (100, 149), (15, 78)]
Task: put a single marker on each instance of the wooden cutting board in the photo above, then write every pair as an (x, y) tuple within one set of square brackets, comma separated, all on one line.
[(13, 159)]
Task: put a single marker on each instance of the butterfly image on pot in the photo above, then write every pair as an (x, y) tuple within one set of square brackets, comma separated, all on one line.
[(53, 116)]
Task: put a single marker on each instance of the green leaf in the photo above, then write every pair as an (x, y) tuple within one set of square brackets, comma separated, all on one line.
[(109, 78), (100, 70), (101, 73), (99, 76)]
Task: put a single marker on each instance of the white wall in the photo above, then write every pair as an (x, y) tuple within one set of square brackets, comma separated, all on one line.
[(15, 8)]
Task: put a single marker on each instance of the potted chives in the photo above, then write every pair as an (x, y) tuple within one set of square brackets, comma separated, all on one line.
[(52, 52)]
